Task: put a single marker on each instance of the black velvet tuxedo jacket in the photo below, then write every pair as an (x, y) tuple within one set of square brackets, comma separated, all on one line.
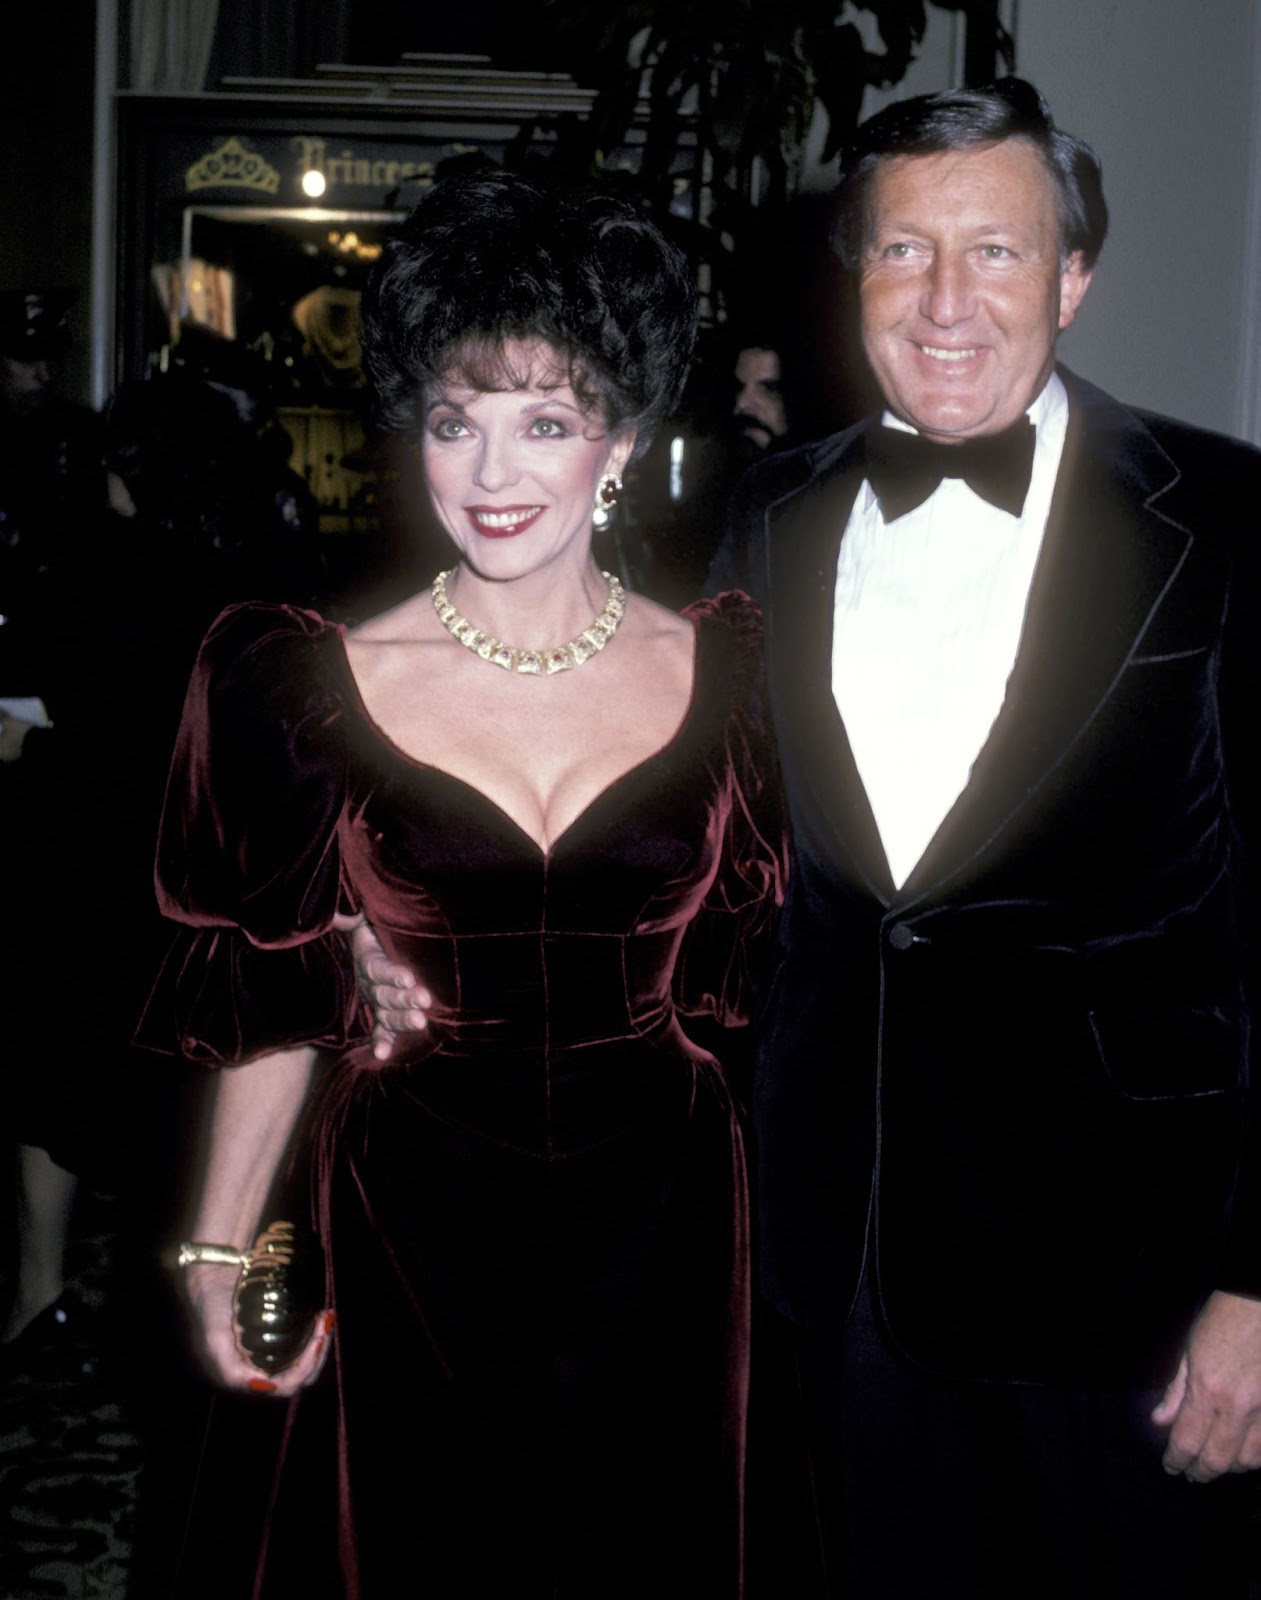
[(1019, 1087)]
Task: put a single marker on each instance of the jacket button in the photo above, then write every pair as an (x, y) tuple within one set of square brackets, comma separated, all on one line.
[(901, 937)]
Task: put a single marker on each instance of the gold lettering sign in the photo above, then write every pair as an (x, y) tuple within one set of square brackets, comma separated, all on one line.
[(232, 166), (349, 168)]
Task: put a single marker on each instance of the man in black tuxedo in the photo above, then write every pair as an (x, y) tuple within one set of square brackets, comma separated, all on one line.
[(1007, 1150)]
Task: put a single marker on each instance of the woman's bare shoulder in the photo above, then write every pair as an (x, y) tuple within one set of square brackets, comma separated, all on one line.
[(412, 621), (648, 619)]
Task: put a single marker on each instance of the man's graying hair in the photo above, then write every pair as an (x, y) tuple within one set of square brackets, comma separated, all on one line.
[(962, 119)]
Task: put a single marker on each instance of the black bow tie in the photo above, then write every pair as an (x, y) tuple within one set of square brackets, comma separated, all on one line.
[(905, 468)]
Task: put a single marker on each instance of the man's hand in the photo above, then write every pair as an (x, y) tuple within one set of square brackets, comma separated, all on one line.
[(399, 1002), (1213, 1405)]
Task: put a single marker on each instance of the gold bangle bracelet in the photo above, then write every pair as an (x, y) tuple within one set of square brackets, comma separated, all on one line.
[(194, 1251)]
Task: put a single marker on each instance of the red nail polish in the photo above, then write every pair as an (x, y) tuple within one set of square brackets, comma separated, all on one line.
[(330, 1318), (262, 1386)]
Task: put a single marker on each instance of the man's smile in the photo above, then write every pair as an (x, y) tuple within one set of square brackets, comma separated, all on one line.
[(940, 353)]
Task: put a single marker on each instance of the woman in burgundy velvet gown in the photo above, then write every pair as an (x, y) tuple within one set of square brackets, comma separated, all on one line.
[(535, 1215)]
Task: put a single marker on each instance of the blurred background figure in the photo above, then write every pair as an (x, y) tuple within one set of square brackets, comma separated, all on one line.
[(34, 341), (50, 470), (51, 491), (209, 438), (192, 506), (737, 407), (760, 411), (51, 484)]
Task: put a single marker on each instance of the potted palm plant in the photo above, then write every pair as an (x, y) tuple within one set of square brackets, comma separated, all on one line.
[(741, 82)]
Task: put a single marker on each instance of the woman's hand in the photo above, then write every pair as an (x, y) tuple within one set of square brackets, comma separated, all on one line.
[(210, 1289), (399, 1001)]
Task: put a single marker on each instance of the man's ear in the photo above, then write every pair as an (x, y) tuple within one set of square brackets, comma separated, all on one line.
[(1074, 281)]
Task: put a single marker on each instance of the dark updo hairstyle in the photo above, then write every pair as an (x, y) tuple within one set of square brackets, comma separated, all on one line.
[(961, 119), (489, 258)]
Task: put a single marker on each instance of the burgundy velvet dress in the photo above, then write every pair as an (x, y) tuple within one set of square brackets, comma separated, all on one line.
[(536, 1221)]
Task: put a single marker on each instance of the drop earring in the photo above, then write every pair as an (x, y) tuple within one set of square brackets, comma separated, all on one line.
[(605, 498)]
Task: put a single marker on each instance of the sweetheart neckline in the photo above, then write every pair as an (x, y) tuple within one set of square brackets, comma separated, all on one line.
[(544, 852)]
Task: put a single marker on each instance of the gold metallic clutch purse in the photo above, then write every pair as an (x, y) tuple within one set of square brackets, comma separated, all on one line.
[(278, 1296), (278, 1293)]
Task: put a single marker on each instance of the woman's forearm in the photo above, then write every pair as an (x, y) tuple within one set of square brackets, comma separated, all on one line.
[(255, 1110)]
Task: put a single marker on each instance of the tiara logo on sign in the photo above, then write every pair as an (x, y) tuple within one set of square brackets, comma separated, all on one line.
[(232, 166)]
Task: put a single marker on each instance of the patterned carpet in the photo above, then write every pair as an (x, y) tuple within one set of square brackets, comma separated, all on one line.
[(70, 1449)]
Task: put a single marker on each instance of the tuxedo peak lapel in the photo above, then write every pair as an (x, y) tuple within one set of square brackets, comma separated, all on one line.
[(832, 817), (1108, 558)]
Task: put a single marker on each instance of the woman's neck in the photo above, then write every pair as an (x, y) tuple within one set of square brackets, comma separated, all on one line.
[(537, 611)]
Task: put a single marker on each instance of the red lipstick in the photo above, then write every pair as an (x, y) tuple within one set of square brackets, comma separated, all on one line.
[(502, 522)]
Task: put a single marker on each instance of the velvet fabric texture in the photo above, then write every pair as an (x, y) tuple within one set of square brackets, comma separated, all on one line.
[(1029, 1102), (536, 1220)]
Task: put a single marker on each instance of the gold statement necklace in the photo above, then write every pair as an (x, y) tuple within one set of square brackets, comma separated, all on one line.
[(533, 662)]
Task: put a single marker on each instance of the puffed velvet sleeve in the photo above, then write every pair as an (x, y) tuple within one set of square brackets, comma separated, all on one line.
[(723, 955), (248, 859)]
